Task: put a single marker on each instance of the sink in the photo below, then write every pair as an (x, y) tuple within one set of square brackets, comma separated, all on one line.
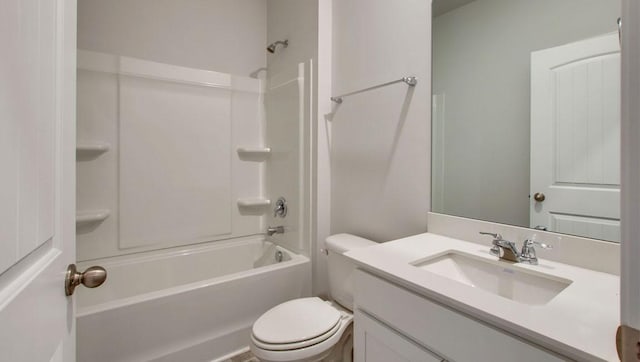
[(497, 277)]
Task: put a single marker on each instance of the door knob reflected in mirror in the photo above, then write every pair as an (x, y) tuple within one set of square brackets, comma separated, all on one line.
[(539, 196), (91, 278)]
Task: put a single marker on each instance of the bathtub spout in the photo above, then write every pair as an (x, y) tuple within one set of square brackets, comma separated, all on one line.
[(275, 230)]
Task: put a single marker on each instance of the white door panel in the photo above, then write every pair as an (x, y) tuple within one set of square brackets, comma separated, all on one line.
[(28, 114), (37, 198), (575, 138), (598, 228)]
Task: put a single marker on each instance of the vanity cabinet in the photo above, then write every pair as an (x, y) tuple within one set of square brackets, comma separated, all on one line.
[(395, 324), (378, 342)]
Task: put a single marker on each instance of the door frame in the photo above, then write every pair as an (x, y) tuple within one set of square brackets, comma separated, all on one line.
[(630, 191), (66, 192)]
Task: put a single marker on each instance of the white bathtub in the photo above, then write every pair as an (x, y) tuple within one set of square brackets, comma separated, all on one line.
[(191, 304)]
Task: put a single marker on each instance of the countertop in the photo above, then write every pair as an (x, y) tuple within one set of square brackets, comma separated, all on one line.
[(579, 323)]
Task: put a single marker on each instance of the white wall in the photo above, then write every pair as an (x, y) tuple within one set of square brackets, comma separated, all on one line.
[(223, 35), (380, 139), (297, 21), (481, 59)]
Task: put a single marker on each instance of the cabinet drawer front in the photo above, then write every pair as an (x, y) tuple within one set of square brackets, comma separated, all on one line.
[(375, 342), (442, 330)]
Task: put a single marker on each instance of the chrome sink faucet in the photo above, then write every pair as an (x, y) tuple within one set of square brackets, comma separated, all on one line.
[(506, 250)]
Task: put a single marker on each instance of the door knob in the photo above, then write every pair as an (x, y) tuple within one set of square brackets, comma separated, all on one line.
[(91, 278), (539, 196)]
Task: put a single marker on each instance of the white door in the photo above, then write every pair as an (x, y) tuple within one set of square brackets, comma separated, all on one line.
[(37, 178), (575, 138)]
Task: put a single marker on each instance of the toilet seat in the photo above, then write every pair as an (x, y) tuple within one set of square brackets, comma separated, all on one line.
[(298, 344), (299, 330), (296, 321)]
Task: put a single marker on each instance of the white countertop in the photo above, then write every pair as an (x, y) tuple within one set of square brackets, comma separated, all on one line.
[(579, 323)]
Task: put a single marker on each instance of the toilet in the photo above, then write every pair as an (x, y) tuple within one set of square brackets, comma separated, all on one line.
[(312, 329)]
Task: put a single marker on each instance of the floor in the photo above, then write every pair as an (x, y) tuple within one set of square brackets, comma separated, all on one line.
[(245, 357)]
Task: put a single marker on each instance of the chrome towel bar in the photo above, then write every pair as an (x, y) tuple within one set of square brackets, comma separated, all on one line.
[(410, 81)]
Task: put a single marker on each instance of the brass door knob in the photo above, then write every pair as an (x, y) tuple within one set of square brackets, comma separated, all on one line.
[(539, 196), (91, 278)]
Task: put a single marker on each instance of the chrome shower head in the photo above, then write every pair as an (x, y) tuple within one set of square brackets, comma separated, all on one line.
[(272, 47)]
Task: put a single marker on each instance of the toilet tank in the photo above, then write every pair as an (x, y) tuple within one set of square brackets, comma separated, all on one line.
[(341, 268)]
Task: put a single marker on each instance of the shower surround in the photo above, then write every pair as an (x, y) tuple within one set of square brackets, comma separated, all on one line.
[(185, 141)]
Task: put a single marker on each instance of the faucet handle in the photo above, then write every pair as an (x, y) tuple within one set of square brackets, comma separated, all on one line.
[(530, 242), (495, 235), (528, 254), (281, 208), (495, 250)]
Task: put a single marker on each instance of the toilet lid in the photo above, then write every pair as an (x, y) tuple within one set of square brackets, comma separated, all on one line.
[(296, 320)]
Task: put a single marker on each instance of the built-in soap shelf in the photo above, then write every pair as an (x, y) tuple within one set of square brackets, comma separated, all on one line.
[(257, 154), (92, 148), (91, 216)]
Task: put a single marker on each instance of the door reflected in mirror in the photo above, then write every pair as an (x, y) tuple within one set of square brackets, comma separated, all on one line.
[(526, 113)]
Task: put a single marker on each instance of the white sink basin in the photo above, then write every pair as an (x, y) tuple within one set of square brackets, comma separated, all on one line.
[(497, 277)]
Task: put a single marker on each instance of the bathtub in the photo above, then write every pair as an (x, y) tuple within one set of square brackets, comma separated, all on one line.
[(189, 304)]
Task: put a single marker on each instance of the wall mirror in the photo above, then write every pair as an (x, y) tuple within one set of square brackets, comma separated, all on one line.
[(526, 113)]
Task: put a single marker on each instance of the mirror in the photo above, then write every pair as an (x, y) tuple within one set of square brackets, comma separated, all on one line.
[(526, 113)]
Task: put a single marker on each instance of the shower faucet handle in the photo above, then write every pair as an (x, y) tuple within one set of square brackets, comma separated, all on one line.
[(281, 208)]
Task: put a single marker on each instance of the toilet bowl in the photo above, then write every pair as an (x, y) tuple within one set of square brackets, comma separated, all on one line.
[(312, 329), (305, 329)]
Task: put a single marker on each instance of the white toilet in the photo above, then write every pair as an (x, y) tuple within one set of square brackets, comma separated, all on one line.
[(311, 329)]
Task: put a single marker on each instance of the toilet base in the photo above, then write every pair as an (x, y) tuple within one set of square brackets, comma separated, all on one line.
[(343, 350)]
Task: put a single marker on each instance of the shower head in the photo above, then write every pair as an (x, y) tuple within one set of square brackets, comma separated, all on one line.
[(272, 47)]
